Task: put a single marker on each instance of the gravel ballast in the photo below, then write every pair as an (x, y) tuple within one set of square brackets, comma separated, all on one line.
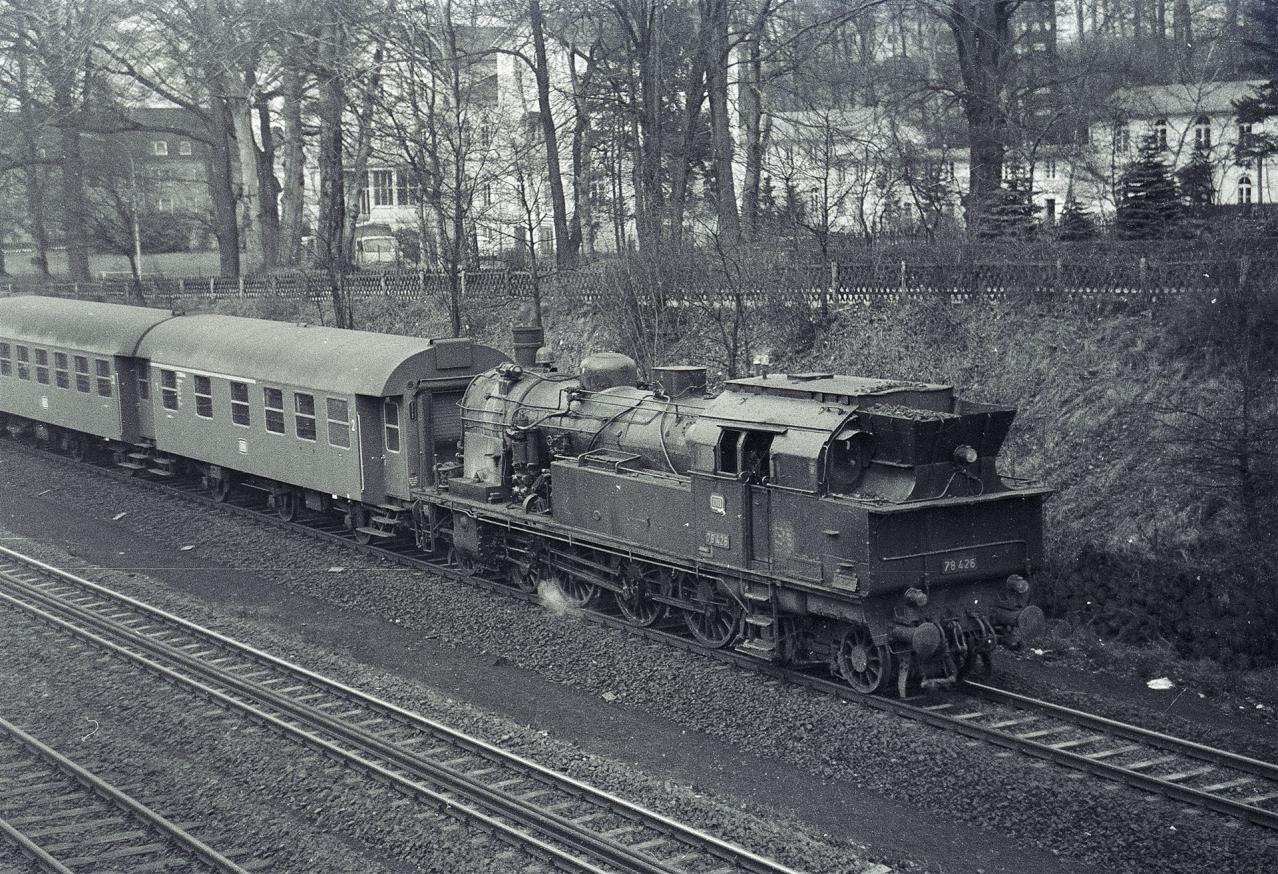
[(1042, 808)]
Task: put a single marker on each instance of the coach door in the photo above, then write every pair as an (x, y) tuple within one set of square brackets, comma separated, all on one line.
[(134, 389)]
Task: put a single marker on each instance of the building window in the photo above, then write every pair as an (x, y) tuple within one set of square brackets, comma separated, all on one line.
[(184, 147), (1202, 132), (1160, 133), (1122, 138), (24, 363), (304, 405), (104, 376), (160, 148), (6, 360), (203, 397), (1049, 208), (273, 404), (239, 403), (1049, 168), (488, 194), (1245, 133), (82, 374), (339, 423), (391, 416), (598, 191), (42, 366), (61, 372), (163, 204), (1244, 191), (168, 389), (382, 182), (144, 383)]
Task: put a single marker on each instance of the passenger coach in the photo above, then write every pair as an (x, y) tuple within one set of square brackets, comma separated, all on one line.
[(320, 417)]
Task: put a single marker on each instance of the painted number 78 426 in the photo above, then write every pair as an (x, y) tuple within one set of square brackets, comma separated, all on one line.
[(958, 565)]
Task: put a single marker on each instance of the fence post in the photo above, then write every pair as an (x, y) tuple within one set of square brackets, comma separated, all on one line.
[(241, 284), (1144, 270), (463, 284), (181, 287), (901, 288), (1058, 284), (831, 290), (212, 287)]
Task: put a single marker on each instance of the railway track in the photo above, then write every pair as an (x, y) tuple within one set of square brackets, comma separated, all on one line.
[(566, 824), (1192, 773), (65, 819)]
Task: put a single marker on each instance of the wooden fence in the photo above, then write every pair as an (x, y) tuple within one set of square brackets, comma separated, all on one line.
[(821, 285)]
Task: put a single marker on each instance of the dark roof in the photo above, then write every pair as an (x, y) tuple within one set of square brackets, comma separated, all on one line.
[(98, 328), (325, 359), (1154, 101)]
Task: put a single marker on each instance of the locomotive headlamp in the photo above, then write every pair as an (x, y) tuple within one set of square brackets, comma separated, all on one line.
[(964, 454), (1017, 584), (916, 597)]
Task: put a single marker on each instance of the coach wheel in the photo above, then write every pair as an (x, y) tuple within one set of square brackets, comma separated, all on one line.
[(715, 621), (287, 503), (76, 447), (634, 598), (358, 520), (221, 488), (863, 663)]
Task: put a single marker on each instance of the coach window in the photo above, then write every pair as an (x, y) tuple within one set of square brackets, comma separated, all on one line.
[(392, 426), (239, 404), (273, 404), (6, 360), (304, 406), (24, 363), (61, 373), (82, 374), (144, 383), (168, 389), (339, 423), (203, 397), (104, 377), (42, 366)]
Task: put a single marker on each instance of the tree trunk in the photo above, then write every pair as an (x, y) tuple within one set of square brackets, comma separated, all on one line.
[(75, 207), (294, 170), (268, 214), (329, 232), (715, 18), (582, 218), (982, 37), (679, 166), (751, 99), (363, 151), (33, 171), (565, 246), (241, 111), (221, 190)]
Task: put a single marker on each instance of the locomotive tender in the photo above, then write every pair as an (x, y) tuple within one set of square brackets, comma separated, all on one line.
[(810, 519)]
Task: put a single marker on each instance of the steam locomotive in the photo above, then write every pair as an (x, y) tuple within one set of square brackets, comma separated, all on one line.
[(809, 519)]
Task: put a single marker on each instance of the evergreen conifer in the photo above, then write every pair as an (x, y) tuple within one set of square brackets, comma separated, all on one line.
[(1077, 223), (1149, 206)]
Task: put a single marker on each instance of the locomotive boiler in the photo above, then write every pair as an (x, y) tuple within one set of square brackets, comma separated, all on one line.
[(805, 518)]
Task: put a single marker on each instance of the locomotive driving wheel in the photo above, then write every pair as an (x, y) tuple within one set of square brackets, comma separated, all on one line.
[(527, 577), (863, 663), (576, 592), (634, 598), (715, 620)]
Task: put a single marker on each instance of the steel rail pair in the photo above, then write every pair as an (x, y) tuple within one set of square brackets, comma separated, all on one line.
[(92, 826), (564, 822)]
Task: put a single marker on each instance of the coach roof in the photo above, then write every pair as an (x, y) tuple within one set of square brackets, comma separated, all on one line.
[(97, 328), (325, 359)]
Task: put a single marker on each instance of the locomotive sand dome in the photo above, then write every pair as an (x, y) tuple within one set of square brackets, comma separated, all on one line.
[(805, 518)]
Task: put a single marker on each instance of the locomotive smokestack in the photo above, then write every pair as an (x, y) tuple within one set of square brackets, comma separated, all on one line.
[(528, 340)]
